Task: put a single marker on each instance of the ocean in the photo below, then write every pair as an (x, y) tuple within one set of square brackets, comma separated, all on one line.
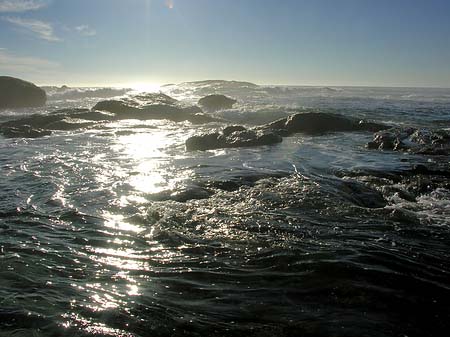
[(112, 228)]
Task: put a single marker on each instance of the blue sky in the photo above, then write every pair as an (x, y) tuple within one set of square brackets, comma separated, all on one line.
[(304, 42)]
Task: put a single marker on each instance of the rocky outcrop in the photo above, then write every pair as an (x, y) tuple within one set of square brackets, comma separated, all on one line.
[(311, 123), (41, 125), (318, 123), (419, 141), (16, 93), (216, 102), (153, 106), (229, 138)]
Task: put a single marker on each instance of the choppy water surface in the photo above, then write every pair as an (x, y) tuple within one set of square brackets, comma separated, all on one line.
[(116, 230)]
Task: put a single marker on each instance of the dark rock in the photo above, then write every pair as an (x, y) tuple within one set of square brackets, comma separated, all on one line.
[(418, 141), (24, 131), (318, 123), (230, 129), (46, 121), (242, 138), (40, 125), (362, 195), (205, 142), (116, 107), (407, 184), (15, 93), (156, 106), (216, 102)]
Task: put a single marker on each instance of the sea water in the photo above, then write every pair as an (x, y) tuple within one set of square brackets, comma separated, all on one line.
[(116, 230)]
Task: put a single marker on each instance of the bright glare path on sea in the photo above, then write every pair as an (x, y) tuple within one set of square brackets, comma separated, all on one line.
[(134, 164)]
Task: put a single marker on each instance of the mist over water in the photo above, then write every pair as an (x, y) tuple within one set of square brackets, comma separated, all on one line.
[(114, 229)]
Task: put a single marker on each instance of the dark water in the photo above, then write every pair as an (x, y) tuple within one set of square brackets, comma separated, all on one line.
[(115, 230)]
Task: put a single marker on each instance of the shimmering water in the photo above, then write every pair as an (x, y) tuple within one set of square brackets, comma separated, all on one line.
[(116, 230)]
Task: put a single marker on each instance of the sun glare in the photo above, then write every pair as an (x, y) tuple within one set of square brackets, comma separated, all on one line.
[(145, 87), (169, 4)]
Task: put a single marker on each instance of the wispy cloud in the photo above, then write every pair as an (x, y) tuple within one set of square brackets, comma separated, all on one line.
[(15, 6), (12, 63), (41, 29), (85, 30)]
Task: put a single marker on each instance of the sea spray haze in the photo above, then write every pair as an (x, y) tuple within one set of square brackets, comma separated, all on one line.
[(108, 227)]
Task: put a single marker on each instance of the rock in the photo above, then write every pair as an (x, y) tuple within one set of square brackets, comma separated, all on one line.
[(362, 195), (418, 141), (230, 129), (154, 106), (24, 131), (318, 123), (216, 102), (15, 93), (205, 142), (239, 138), (115, 107), (44, 121), (40, 125)]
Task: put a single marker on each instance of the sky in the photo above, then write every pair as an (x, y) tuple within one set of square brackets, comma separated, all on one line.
[(290, 42)]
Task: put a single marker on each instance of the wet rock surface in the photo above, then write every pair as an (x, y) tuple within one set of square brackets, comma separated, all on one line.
[(232, 137), (216, 102), (418, 141), (16, 93)]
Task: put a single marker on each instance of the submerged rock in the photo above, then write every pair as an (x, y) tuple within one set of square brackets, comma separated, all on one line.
[(24, 131), (216, 102), (361, 194), (318, 123), (419, 141), (16, 93), (182, 194), (241, 137)]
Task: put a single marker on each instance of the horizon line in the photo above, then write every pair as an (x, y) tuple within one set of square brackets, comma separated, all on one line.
[(130, 85)]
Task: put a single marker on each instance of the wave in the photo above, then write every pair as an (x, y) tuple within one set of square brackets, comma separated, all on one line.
[(66, 93)]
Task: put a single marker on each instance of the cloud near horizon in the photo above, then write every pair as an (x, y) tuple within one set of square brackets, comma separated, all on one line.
[(85, 30), (17, 6), (12, 63), (40, 29)]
